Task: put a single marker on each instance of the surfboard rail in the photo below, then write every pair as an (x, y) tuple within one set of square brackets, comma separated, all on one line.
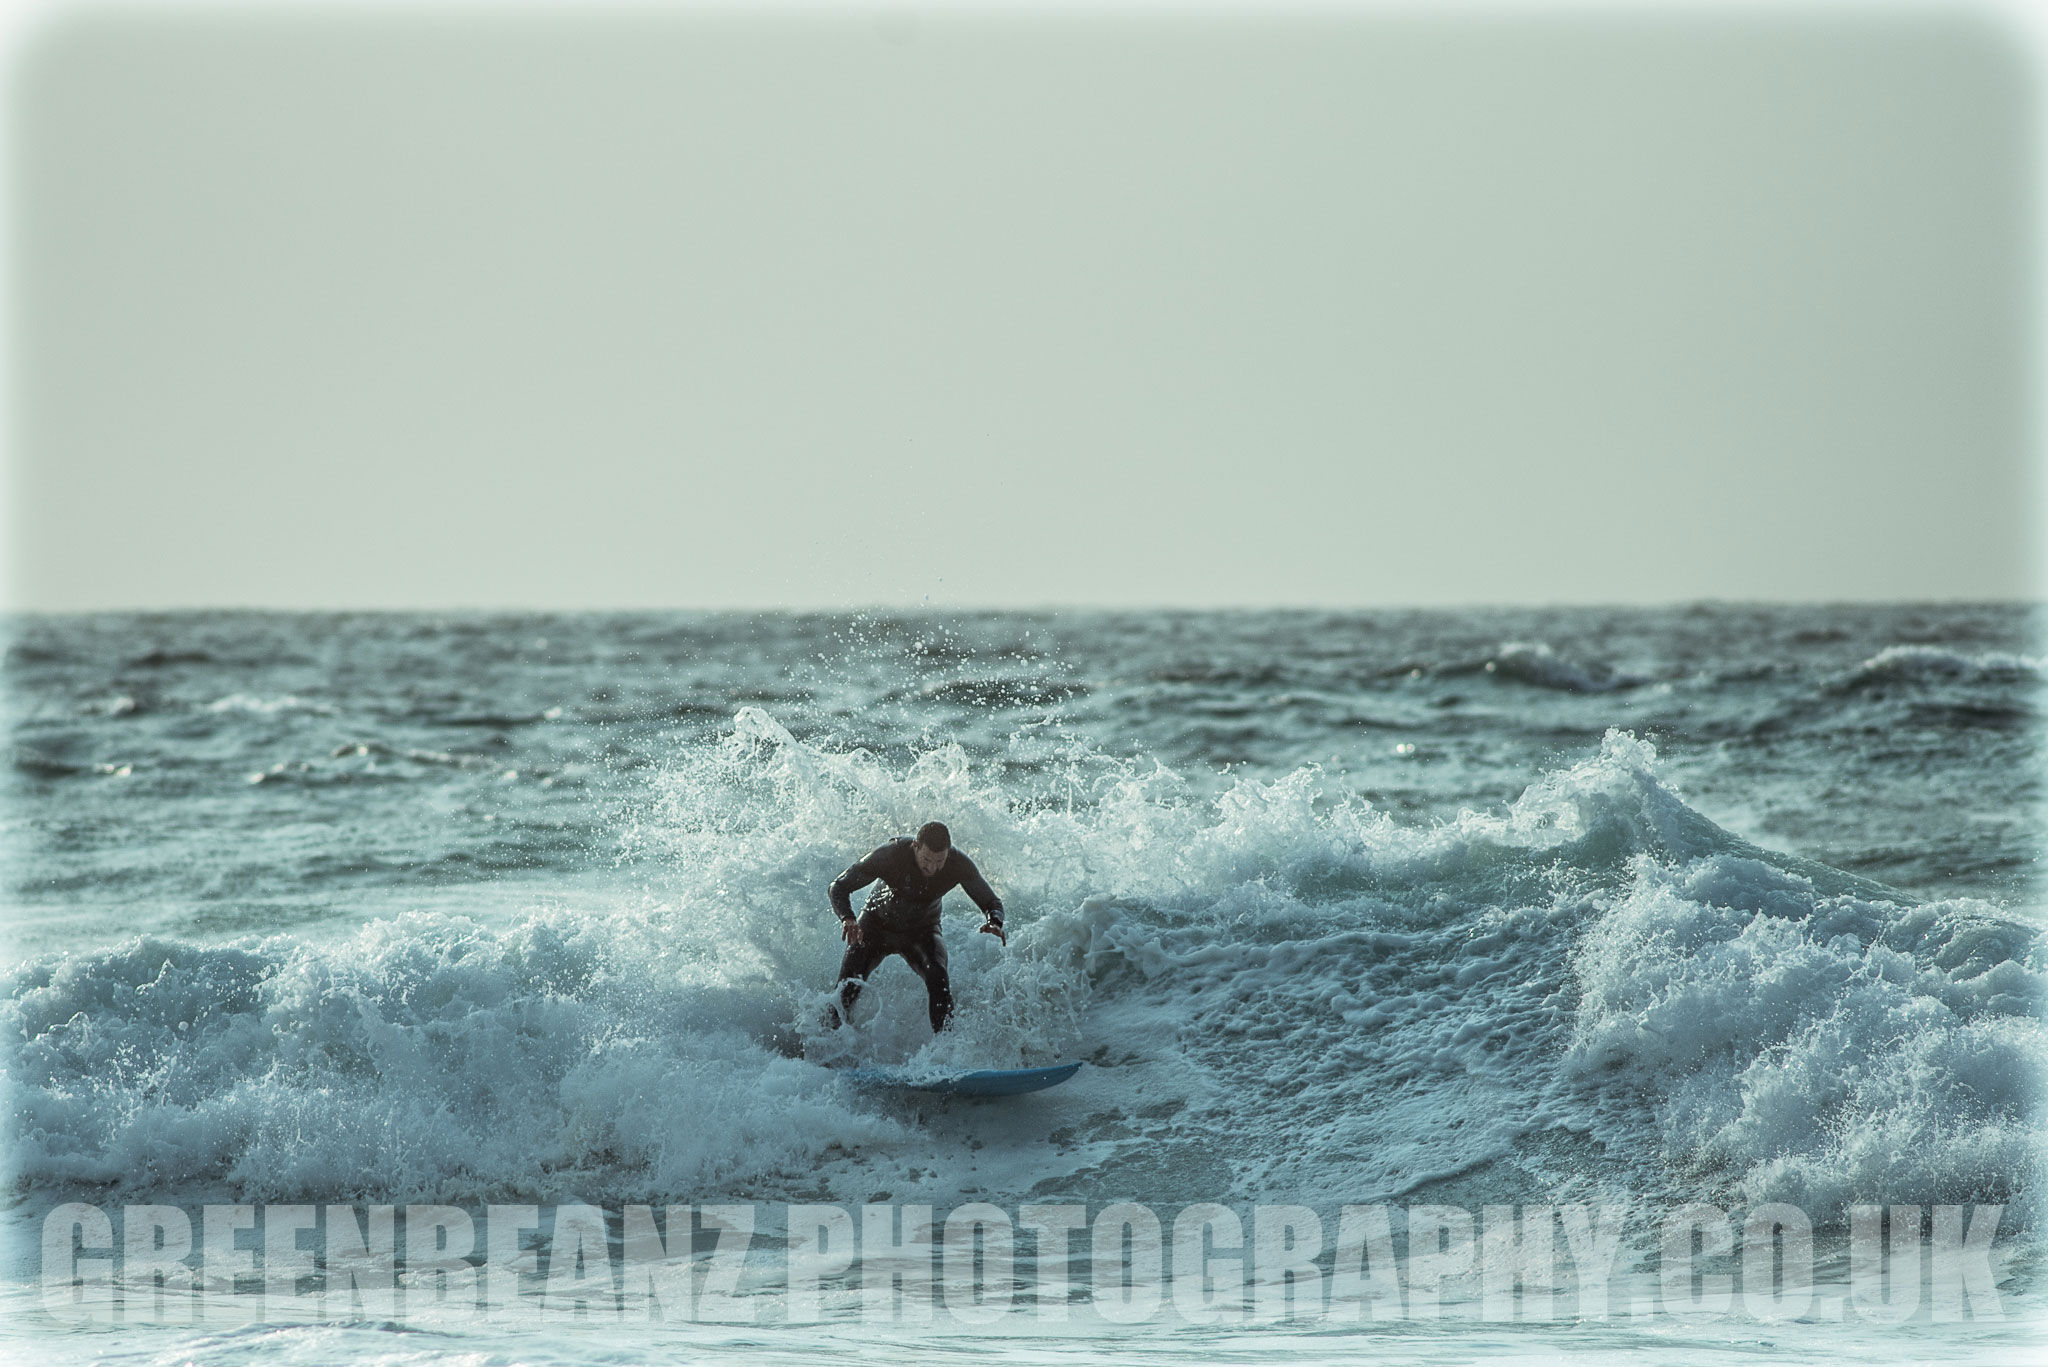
[(980, 1082)]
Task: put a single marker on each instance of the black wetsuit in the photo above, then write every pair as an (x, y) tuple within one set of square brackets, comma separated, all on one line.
[(905, 920)]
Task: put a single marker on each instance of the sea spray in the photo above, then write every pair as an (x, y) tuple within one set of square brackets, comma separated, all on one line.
[(1286, 994)]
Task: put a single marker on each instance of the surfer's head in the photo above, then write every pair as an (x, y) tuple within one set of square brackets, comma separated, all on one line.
[(932, 845)]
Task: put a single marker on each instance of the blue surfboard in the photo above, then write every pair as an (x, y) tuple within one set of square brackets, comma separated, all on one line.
[(985, 1082)]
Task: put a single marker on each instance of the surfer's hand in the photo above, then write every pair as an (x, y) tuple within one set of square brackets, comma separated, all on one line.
[(995, 928), (850, 928)]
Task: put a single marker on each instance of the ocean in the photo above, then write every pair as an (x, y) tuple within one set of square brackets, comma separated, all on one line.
[(1393, 944)]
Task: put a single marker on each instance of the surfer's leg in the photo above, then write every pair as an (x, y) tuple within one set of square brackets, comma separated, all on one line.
[(926, 956), (854, 968)]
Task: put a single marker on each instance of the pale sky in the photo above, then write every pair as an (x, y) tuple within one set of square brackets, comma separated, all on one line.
[(445, 307)]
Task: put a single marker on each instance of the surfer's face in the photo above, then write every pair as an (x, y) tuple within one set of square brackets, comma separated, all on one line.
[(929, 862)]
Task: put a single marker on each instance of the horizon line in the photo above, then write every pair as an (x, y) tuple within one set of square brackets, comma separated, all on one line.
[(984, 610)]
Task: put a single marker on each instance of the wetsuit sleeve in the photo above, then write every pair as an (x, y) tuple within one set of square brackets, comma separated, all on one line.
[(858, 876), (975, 886)]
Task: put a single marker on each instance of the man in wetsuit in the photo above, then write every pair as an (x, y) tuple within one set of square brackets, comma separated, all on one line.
[(905, 919)]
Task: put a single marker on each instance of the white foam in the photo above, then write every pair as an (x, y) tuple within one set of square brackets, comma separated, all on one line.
[(243, 702), (426, 1058), (1808, 1048), (1285, 992), (1934, 663)]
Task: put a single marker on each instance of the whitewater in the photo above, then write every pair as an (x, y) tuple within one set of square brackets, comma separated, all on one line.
[(1617, 910)]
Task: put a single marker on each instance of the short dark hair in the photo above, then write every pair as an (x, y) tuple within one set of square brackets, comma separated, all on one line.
[(933, 835)]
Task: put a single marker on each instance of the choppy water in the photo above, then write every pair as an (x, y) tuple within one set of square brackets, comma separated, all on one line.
[(1718, 903)]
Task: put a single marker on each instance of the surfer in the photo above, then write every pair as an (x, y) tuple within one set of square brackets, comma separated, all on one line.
[(917, 871)]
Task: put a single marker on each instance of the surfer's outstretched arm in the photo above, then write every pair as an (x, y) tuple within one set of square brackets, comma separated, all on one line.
[(976, 887)]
